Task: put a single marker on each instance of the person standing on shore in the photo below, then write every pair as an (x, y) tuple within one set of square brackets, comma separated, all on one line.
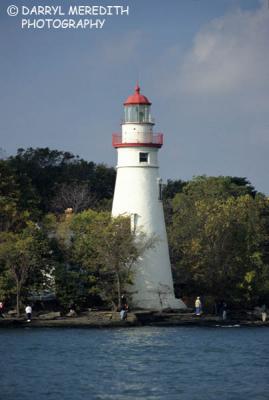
[(198, 306), (28, 311), (124, 308), (263, 313), (224, 311)]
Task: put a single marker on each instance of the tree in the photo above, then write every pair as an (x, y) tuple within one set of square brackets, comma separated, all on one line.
[(76, 196), (48, 170), (107, 248), (218, 187), (169, 190), (8, 197), (12, 217), (217, 239), (17, 196), (44, 168), (24, 259), (73, 286), (103, 250), (71, 283), (104, 181)]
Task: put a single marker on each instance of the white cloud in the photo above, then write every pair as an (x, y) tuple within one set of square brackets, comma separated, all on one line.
[(229, 54), (218, 92)]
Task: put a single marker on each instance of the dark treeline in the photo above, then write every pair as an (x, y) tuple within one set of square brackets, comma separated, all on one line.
[(218, 229), (46, 179)]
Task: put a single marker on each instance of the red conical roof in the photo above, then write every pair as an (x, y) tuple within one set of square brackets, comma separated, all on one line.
[(137, 98)]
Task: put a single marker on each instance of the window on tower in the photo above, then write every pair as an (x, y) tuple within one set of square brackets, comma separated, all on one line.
[(137, 113), (143, 157), (160, 189), (141, 116)]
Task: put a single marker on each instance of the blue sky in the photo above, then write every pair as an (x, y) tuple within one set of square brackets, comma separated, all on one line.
[(204, 64)]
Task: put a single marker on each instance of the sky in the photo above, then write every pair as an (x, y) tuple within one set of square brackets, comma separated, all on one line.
[(204, 64)]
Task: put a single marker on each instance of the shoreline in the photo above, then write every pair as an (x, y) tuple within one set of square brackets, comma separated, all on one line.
[(100, 319)]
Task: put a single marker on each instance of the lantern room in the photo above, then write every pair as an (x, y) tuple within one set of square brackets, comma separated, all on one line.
[(137, 109)]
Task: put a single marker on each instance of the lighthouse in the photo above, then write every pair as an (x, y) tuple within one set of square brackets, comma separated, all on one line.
[(138, 194)]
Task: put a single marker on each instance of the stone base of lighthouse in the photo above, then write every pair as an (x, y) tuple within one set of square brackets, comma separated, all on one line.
[(148, 292), (149, 301)]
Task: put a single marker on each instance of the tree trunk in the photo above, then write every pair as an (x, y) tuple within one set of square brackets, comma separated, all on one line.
[(118, 289), (18, 290)]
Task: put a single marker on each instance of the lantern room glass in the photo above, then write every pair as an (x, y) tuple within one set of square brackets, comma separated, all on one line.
[(137, 113)]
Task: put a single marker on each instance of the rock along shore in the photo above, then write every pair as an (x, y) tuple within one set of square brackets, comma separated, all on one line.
[(105, 319)]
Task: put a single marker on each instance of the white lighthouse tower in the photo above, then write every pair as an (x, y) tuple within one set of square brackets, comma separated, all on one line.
[(138, 194)]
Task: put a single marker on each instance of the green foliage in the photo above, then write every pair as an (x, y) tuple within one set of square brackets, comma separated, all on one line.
[(49, 171), (24, 262), (218, 230), (217, 239), (171, 188), (98, 251), (73, 286), (220, 187), (9, 197), (18, 200), (106, 248)]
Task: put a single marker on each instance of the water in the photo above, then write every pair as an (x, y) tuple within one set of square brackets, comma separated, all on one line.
[(136, 363)]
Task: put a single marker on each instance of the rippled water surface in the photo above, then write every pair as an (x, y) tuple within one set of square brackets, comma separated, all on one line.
[(135, 363)]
